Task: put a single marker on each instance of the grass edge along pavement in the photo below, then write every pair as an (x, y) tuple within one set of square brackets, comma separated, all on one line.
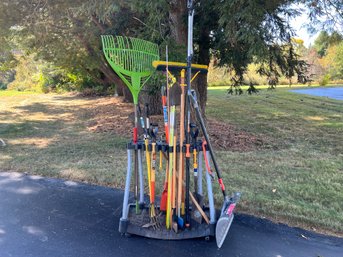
[(290, 182)]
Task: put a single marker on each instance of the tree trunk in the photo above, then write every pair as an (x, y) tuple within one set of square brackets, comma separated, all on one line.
[(105, 69), (178, 26), (154, 101), (177, 15), (114, 79), (127, 94), (200, 84)]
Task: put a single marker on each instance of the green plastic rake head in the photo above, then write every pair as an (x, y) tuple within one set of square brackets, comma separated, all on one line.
[(131, 59)]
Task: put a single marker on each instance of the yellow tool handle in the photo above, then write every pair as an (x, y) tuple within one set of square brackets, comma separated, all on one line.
[(195, 161), (148, 163)]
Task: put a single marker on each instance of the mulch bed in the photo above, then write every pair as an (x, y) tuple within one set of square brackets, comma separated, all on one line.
[(113, 115)]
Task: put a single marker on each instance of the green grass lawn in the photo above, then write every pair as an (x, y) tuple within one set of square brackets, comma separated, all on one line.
[(46, 134), (299, 180)]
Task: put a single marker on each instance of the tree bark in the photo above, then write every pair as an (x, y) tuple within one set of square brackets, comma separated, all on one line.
[(107, 71), (200, 84), (177, 14), (154, 101), (178, 26)]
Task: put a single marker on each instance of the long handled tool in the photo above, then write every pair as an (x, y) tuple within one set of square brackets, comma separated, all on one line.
[(190, 6), (163, 201), (135, 140), (151, 131), (194, 134), (153, 219), (170, 172), (226, 217), (209, 185), (153, 135), (181, 160), (140, 169), (174, 224), (165, 112), (197, 206), (171, 80)]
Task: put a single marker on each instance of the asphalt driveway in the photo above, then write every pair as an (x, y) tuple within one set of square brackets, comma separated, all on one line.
[(330, 92), (51, 217)]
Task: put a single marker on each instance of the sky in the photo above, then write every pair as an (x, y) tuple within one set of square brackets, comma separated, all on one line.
[(301, 32)]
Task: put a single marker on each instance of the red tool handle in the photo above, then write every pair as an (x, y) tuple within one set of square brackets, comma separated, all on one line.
[(207, 162), (135, 135)]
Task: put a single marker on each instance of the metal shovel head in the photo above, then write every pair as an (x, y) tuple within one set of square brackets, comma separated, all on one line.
[(222, 228), (225, 220)]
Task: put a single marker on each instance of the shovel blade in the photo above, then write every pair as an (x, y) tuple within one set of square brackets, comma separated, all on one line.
[(222, 228), (225, 220)]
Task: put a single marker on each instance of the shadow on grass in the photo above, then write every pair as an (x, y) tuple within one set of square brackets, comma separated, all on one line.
[(31, 128), (49, 109), (75, 97)]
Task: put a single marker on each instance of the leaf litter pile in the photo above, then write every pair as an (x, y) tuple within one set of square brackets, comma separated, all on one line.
[(113, 115)]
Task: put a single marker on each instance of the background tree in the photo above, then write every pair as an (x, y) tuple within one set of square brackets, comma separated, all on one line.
[(58, 33), (325, 40), (234, 33), (324, 14)]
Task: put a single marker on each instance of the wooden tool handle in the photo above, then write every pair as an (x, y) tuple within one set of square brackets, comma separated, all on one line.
[(203, 214)]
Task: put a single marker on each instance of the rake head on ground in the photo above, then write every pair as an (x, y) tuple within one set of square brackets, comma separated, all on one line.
[(131, 59)]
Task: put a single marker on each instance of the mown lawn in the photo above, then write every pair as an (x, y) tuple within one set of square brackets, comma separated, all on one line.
[(299, 180), (46, 134)]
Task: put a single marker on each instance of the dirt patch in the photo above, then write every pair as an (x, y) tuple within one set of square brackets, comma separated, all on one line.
[(227, 137), (112, 115)]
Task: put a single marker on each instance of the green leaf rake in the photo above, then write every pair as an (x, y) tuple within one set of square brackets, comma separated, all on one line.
[(131, 58)]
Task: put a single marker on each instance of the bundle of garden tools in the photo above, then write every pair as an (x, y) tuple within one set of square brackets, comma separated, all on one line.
[(183, 210)]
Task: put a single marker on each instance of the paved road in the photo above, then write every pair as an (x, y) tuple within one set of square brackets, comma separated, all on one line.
[(331, 92), (42, 217)]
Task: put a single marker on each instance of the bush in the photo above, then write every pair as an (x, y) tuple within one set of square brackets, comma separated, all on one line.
[(251, 76), (324, 80), (3, 86), (337, 82)]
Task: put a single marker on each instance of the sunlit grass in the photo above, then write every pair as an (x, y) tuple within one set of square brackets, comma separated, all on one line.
[(47, 135), (298, 86), (15, 93)]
